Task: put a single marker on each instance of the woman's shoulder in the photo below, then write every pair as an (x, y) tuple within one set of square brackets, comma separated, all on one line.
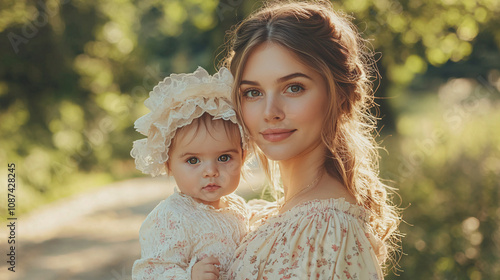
[(260, 210), (332, 189), (262, 205), (325, 213), (326, 207)]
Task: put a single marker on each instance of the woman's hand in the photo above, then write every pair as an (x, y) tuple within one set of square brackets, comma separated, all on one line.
[(206, 269)]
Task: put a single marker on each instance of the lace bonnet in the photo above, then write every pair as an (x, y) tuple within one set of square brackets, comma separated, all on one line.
[(176, 102)]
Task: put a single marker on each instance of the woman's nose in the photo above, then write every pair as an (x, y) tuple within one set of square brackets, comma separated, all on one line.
[(273, 111), (210, 170)]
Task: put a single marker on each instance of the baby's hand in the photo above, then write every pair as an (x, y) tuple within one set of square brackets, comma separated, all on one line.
[(206, 269)]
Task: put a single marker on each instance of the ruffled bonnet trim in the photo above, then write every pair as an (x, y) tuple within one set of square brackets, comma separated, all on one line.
[(176, 102)]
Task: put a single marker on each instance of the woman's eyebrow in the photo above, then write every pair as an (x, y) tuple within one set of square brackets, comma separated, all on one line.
[(291, 76), (280, 80)]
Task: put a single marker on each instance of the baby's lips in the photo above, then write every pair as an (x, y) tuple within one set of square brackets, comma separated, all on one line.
[(211, 187)]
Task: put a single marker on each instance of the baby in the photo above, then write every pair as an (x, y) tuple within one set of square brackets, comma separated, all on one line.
[(192, 135)]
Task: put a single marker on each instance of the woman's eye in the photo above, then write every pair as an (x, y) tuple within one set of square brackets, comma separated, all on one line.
[(193, 160), (294, 89), (252, 93), (224, 158)]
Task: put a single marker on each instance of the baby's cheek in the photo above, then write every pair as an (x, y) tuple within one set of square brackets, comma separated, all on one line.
[(233, 167), (231, 174)]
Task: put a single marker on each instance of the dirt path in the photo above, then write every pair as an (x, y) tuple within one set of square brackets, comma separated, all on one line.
[(90, 236)]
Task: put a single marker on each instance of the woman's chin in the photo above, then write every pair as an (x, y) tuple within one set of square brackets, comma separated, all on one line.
[(277, 154)]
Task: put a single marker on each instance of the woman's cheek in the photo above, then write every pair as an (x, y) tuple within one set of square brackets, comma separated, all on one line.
[(310, 111), (250, 115)]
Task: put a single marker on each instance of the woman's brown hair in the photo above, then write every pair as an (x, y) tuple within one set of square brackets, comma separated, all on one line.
[(329, 43)]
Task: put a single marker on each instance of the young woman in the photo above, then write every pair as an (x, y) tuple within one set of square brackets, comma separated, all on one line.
[(303, 92)]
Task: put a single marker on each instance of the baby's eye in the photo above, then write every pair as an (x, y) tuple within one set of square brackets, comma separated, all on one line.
[(294, 89), (193, 160), (252, 93), (224, 158)]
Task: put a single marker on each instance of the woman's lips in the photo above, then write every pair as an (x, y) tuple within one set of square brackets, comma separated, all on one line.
[(277, 134), (211, 187)]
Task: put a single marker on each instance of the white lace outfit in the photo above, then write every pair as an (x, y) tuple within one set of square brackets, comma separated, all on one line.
[(180, 231)]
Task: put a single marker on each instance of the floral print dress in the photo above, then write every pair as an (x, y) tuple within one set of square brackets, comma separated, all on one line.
[(180, 231), (318, 239)]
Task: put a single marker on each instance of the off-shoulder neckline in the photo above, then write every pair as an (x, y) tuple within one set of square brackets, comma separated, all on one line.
[(336, 203)]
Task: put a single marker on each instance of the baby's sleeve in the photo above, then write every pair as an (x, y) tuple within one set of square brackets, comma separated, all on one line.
[(165, 248)]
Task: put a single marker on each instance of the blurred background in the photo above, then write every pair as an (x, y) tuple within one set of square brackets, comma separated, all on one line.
[(74, 76)]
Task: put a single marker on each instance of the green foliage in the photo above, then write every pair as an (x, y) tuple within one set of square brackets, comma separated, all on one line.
[(73, 80), (445, 160), (412, 34)]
